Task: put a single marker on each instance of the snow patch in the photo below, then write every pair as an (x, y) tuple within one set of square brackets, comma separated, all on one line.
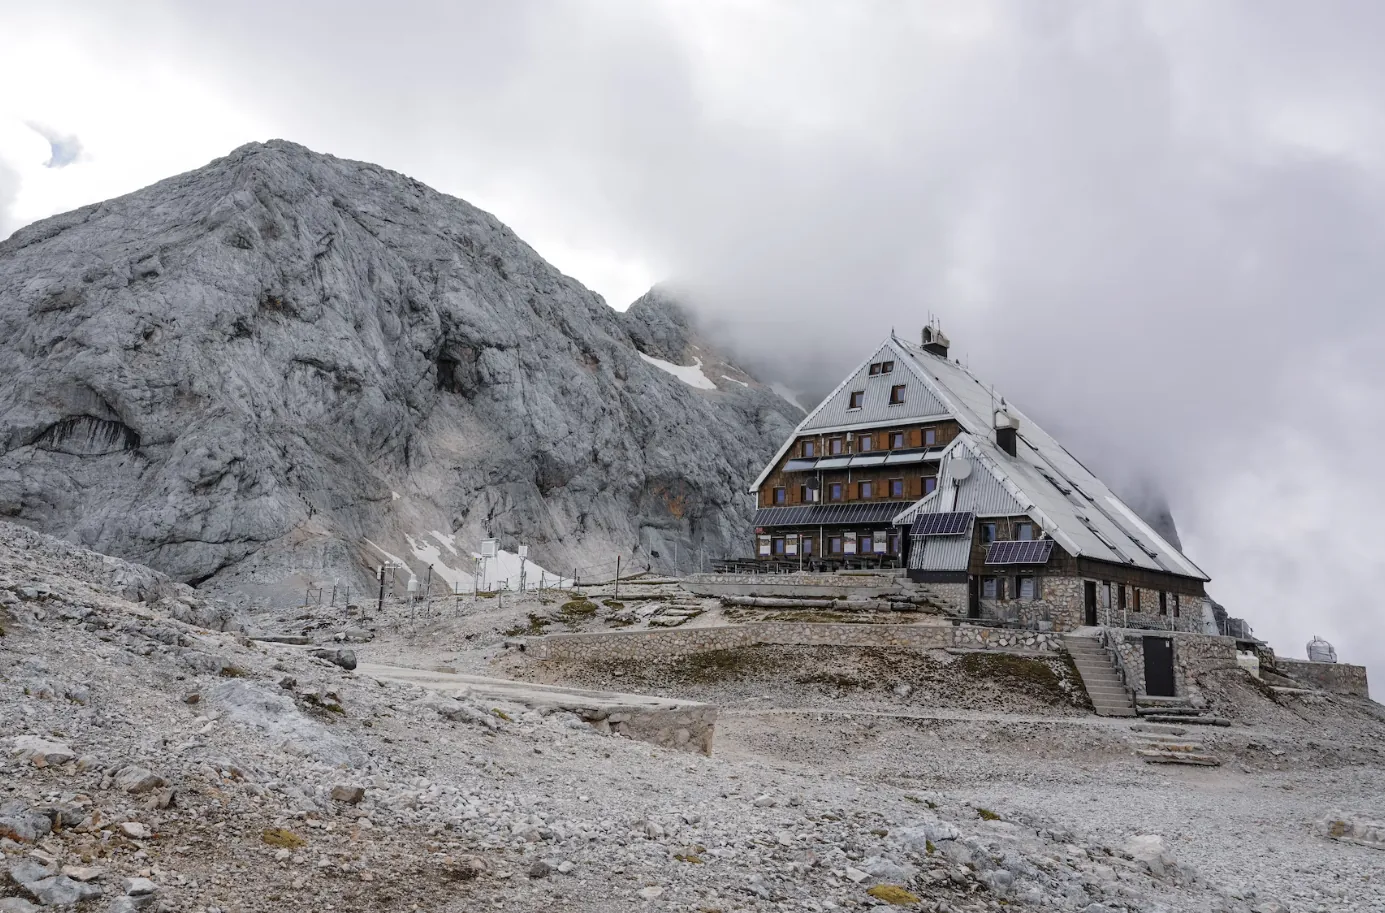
[(689, 374), (734, 381), (482, 573), (787, 395)]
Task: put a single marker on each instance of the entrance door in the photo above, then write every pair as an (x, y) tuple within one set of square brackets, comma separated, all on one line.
[(973, 597), (1089, 595), (1159, 667)]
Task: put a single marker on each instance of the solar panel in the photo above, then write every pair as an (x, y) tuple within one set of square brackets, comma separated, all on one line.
[(1022, 551), (827, 514), (800, 465), (948, 524)]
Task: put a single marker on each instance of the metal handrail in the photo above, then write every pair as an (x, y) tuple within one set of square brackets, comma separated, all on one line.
[(1108, 640)]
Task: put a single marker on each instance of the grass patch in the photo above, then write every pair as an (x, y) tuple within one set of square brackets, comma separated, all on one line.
[(282, 838), (534, 628), (721, 665), (582, 608), (985, 814), (612, 604), (232, 672), (893, 894), (497, 712), (1025, 674)]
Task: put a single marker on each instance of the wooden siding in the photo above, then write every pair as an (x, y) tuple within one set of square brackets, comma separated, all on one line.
[(912, 474)]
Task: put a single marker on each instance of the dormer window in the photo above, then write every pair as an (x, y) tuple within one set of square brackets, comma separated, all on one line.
[(858, 397), (896, 394)]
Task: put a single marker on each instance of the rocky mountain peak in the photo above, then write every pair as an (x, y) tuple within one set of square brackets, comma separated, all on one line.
[(280, 368)]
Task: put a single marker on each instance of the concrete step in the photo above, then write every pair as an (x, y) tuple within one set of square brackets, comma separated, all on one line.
[(1168, 757), (1113, 711), (1189, 720), (1158, 729)]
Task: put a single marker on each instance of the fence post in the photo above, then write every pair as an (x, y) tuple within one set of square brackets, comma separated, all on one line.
[(616, 597), (380, 606)]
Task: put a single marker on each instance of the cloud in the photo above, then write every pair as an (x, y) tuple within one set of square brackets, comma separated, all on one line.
[(65, 149), (1155, 225)]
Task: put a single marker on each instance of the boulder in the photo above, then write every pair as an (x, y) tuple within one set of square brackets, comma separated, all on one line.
[(136, 780), (346, 659), (41, 752)]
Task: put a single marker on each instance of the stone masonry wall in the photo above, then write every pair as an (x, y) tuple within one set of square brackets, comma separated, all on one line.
[(1193, 655), (669, 644), (1337, 678)]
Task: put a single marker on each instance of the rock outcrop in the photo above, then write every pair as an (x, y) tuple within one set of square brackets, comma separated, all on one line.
[(269, 372)]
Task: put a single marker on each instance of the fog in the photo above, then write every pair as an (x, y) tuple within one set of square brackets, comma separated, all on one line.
[(1155, 226)]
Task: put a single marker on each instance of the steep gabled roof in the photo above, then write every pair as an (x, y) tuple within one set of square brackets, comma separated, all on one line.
[(1042, 481), (1055, 490)]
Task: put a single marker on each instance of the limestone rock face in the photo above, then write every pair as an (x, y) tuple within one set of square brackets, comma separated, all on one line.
[(268, 372)]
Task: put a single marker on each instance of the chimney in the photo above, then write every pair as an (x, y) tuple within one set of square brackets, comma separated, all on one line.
[(935, 340), (1007, 428)]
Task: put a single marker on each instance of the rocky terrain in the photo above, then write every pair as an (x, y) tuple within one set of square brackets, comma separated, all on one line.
[(155, 758), (243, 373)]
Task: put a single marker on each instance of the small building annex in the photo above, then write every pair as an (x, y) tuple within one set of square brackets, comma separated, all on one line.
[(912, 461)]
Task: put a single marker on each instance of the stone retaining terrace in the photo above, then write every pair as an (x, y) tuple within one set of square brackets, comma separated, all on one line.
[(677, 642)]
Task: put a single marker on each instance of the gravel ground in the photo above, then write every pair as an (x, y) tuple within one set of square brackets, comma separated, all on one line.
[(142, 742)]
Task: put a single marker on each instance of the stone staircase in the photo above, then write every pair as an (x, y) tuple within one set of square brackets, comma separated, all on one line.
[(1109, 695), (1175, 710), (1162, 744)]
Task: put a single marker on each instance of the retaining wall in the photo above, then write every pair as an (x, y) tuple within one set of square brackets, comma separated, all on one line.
[(669, 644), (1337, 678), (818, 586), (1193, 655)]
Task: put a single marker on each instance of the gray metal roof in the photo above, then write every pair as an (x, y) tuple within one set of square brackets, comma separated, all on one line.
[(1042, 481), (940, 553), (835, 411)]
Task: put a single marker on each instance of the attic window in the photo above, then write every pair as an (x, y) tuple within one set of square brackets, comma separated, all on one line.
[(875, 369), (886, 367), (857, 398), (896, 394)]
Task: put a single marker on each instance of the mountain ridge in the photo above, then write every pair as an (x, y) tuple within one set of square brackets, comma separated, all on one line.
[(241, 373)]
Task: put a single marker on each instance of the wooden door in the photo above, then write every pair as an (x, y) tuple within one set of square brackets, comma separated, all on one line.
[(1089, 598)]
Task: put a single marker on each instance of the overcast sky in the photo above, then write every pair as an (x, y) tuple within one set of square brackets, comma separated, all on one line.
[(1157, 225)]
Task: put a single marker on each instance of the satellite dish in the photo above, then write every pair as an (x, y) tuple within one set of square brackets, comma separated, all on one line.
[(813, 484), (961, 470)]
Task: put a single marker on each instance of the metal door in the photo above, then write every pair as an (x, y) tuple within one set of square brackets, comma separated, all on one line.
[(1159, 667), (973, 597), (1089, 594)]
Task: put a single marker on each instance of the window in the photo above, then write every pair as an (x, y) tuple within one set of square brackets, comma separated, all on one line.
[(1136, 598), (896, 394), (863, 443), (892, 543), (1024, 531), (930, 437), (929, 483), (867, 490), (1028, 588), (1120, 596), (834, 446), (1163, 603), (809, 449), (867, 544), (781, 496), (778, 546), (896, 488), (1107, 585), (886, 367), (834, 491), (857, 398), (1175, 605), (834, 545), (987, 533), (875, 369), (989, 589), (897, 441), (807, 495)]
